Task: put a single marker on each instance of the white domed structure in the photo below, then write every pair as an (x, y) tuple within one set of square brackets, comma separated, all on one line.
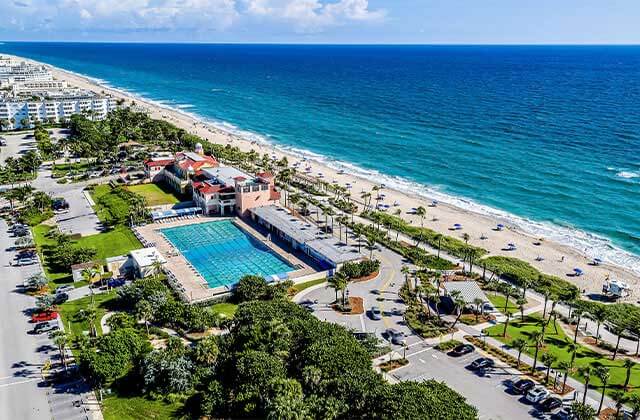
[(199, 149)]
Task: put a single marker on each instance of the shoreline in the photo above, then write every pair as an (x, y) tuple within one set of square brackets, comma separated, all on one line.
[(559, 259)]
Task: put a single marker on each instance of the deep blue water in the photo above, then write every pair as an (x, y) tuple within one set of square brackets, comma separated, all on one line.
[(548, 134)]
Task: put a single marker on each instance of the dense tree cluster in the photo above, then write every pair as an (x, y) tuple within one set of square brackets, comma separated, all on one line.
[(256, 288), (278, 361)]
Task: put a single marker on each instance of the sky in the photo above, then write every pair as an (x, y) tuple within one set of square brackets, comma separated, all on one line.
[(324, 21)]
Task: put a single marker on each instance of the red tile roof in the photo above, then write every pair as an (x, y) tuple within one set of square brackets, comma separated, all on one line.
[(161, 162), (240, 178), (264, 175), (185, 162)]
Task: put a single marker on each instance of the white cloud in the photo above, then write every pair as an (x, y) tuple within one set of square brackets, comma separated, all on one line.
[(201, 16), (314, 15)]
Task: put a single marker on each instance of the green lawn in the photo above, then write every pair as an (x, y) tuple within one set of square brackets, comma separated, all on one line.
[(111, 208), (124, 408), (225, 308), (62, 169), (555, 343), (118, 241), (498, 301), (115, 242), (300, 287), (69, 312), (154, 194)]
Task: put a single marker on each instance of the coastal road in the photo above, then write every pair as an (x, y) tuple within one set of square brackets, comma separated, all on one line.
[(22, 395)]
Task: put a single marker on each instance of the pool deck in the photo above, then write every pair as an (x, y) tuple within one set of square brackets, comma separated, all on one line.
[(185, 278)]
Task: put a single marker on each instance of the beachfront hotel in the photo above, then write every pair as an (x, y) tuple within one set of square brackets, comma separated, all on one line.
[(215, 189), (34, 96)]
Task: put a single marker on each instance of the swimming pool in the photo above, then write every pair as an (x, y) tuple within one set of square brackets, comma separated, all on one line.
[(223, 253)]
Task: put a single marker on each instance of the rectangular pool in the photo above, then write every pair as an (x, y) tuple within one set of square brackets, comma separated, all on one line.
[(223, 253)]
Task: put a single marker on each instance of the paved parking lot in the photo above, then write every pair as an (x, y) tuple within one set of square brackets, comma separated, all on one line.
[(489, 393), (17, 145)]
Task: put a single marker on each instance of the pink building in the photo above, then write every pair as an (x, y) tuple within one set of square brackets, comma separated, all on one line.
[(224, 189)]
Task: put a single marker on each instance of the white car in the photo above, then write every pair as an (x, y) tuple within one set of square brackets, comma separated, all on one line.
[(537, 394)]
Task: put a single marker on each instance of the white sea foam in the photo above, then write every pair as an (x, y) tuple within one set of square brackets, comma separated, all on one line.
[(628, 174), (185, 106), (592, 245)]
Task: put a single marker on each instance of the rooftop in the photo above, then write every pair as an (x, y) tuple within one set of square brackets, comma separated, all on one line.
[(146, 257), (469, 290), (300, 231), (224, 174)]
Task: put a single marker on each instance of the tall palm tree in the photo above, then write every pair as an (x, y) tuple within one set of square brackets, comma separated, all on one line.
[(422, 213), (478, 302), (603, 374), (634, 403), (506, 323), (458, 304), (339, 282), (144, 311), (438, 238), (548, 359), (507, 290), (371, 244), (565, 367), (61, 340), (628, 364), (620, 398), (618, 329), (520, 345), (586, 372), (537, 338), (521, 302)]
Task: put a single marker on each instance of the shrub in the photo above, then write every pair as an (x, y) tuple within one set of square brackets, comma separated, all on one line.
[(519, 271), (447, 345)]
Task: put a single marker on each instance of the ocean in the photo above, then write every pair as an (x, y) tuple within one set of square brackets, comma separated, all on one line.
[(544, 137)]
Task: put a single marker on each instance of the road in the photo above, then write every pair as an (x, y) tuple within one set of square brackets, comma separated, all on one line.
[(21, 355)]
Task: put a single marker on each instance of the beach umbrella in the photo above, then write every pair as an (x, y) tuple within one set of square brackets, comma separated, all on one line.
[(500, 226), (434, 203), (457, 226), (597, 261), (578, 272)]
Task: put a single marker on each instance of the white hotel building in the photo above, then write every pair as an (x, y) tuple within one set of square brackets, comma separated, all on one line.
[(58, 109)]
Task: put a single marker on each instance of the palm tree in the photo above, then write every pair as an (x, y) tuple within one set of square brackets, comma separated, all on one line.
[(506, 324), (618, 330), (599, 314), (458, 303), (628, 364), (620, 398), (564, 367), (422, 213), (339, 282), (603, 374), (525, 283), (586, 372), (507, 290), (572, 348), (438, 238), (548, 359), (157, 268), (520, 345), (521, 302), (478, 302), (371, 244), (634, 402), (61, 340), (144, 311), (578, 312), (537, 338), (547, 294)]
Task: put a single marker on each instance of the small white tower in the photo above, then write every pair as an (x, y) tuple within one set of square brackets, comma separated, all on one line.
[(199, 149)]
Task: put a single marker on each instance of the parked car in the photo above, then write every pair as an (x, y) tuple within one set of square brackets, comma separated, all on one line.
[(461, 350), (116, 282), (60, 205), (61, 298), (43, 327), (563, 414), (395, 336), (537, 394), (550, 404), (3, 142), (375, 313), (26, 261), (64, 289), (482, 363), (44, 316), (523, 386)]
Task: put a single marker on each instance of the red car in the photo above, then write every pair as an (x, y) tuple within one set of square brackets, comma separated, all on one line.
[(44, 316)]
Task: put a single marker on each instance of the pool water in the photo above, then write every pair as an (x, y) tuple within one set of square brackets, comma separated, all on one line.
[(223, 253)]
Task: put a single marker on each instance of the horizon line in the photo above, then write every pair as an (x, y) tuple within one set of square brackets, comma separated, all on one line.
[(603, 44)]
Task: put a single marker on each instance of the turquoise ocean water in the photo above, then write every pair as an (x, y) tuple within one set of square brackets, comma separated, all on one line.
[(547, 138)]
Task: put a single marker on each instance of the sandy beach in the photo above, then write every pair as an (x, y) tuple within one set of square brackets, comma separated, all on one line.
[(549, 257)]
